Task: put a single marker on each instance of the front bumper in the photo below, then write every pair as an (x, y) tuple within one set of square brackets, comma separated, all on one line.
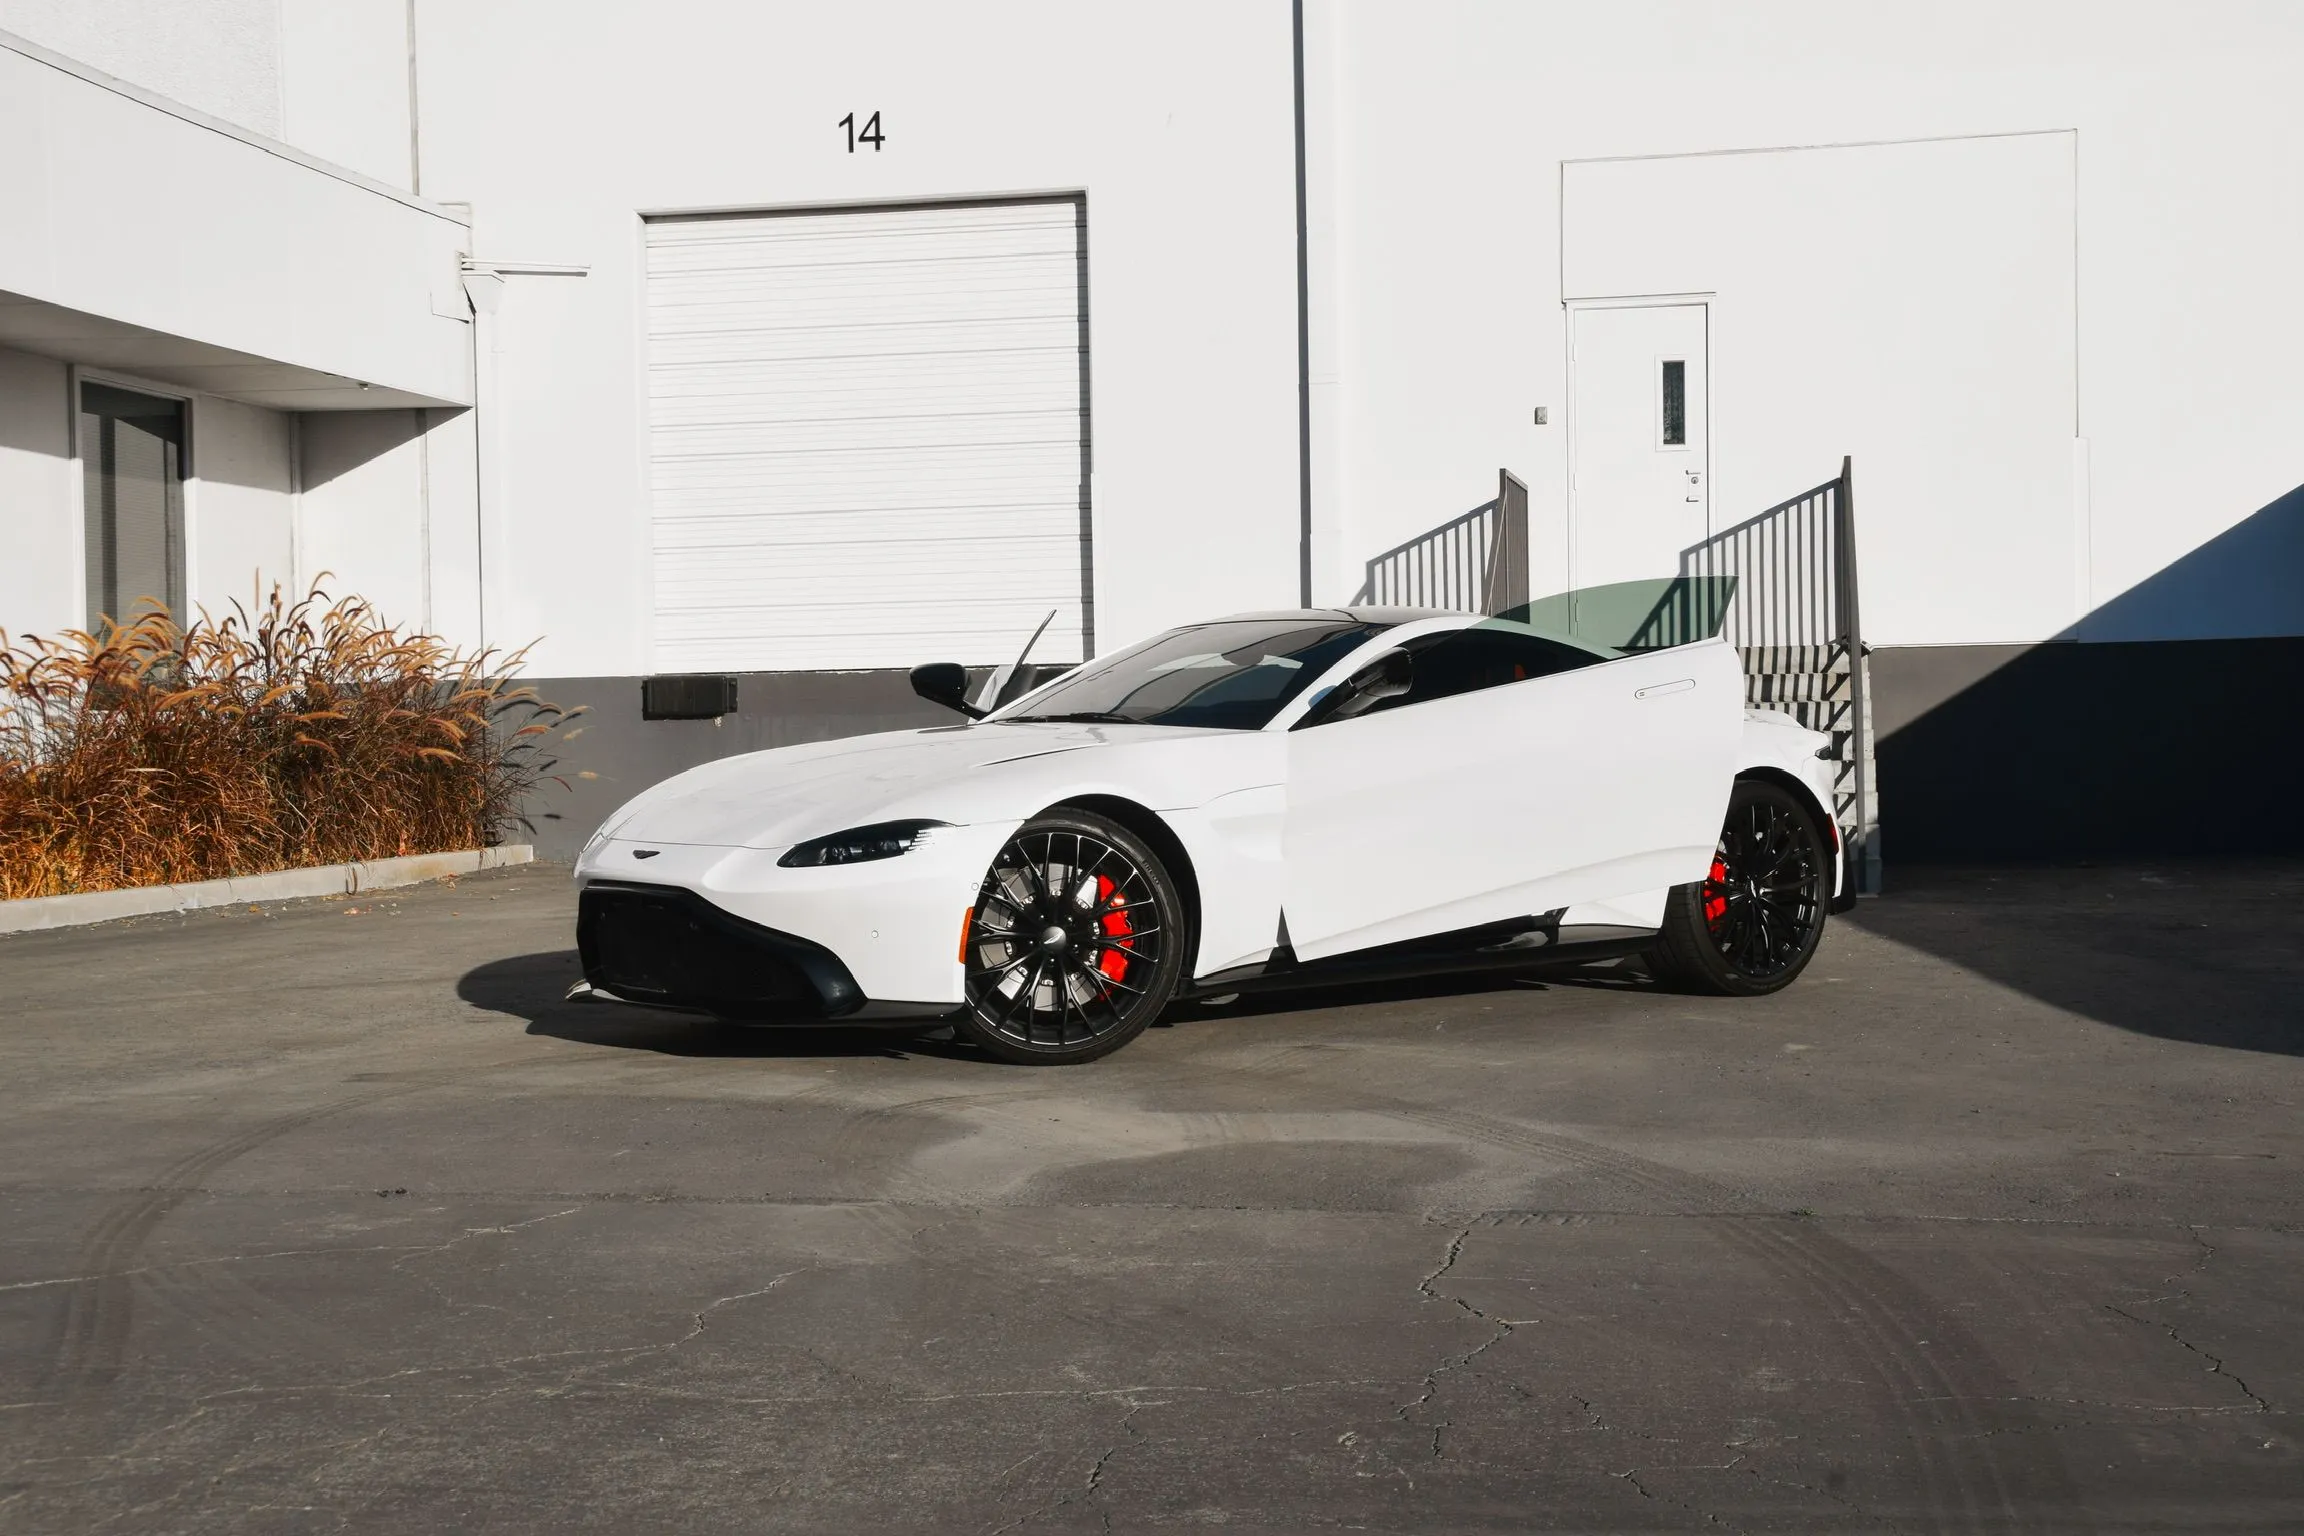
[(663, 945), (890, 927)]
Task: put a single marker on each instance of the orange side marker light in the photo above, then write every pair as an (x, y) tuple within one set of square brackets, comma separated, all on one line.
[(966, 918)]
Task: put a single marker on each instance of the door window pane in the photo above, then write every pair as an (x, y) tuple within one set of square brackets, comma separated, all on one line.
[(132, 460), (1674, 414), (1489, 654)]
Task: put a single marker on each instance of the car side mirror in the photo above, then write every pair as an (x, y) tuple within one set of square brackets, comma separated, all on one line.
[(1386, 676), (945, 683)]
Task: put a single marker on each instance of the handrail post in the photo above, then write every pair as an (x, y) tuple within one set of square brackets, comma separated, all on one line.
[(1865, 868), (1505, 586)]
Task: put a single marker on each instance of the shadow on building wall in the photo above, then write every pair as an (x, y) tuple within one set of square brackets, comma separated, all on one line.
[(339, 444), (2152, 753), (2168, 721)]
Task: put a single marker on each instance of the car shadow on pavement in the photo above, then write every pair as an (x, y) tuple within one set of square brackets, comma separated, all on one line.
[(2203, 952), (1410, 989), (535, 988)]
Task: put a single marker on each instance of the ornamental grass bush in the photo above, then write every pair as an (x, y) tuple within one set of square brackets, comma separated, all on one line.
[(307, 733)]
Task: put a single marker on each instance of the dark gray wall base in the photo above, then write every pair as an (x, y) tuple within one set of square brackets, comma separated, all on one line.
[(609, 754), (2086, 750)]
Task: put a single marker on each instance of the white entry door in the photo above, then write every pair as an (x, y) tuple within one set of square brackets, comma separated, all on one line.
[(1642, 483)]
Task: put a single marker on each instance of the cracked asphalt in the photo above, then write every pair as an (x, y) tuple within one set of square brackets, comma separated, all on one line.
[(332, 1216)]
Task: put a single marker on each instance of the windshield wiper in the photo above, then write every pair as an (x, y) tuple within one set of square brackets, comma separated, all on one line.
[(1082, 716)]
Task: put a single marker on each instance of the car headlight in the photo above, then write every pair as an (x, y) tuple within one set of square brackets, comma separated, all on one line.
[(859, 845)]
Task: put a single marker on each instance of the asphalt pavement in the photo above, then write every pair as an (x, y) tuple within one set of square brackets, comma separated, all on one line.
[(333, 1216)]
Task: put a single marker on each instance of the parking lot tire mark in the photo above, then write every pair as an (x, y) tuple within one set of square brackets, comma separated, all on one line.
[(1880, 1315), (861, 1132), (1883, 1317), (101, 1308), (1879, 1337), (99, 1311), (1931, 1391)]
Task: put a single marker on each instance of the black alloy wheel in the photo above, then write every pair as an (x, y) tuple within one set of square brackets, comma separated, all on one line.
[(1075, 945), (1752, 924)]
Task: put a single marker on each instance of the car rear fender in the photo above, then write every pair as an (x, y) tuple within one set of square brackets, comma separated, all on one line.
[(1779, 749)]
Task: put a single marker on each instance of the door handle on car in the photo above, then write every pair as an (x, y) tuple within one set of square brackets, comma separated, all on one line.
[(1658, 690)]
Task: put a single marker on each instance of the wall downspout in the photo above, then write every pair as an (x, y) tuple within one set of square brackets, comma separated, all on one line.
[(484, 285), (423, 420), (486, 291), (415, 146), (1303, 330), (296, 584)]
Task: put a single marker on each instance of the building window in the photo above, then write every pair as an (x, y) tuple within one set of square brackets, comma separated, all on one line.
[(1674, 412), (132, 461)]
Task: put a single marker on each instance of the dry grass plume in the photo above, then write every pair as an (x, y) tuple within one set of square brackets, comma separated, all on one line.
[(154, 752)]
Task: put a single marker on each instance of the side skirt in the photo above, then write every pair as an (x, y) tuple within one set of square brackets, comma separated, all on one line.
[(1520, 944), (893, 1016)]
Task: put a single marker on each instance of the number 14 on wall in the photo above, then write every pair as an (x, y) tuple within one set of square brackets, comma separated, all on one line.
[(871, 134)]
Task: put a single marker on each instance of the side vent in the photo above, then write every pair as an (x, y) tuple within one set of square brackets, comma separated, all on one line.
[(693, 696)]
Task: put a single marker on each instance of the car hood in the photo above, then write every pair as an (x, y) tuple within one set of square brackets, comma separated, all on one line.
[(788, 794)]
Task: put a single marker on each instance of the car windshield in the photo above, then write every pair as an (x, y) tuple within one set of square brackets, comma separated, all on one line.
[(1233, 675)]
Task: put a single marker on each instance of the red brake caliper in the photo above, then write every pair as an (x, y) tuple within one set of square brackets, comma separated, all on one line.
[(1114, 961), (1716, 893)]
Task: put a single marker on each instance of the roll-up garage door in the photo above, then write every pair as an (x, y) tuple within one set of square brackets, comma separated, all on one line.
[(868, 436)]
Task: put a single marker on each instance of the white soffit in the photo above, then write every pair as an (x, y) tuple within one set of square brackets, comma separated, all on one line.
[(143, 236), (50, 330)]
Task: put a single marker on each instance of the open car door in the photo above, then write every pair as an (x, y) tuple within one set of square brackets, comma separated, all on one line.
[(1520, 774)]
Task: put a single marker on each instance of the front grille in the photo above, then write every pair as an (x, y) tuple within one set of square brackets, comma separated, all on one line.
[(660, 944)]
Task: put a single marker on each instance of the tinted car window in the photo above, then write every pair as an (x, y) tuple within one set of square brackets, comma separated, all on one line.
[(1486, 655), (1232, 675)]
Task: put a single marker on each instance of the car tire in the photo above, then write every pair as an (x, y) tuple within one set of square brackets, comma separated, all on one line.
[(1076, 943), (1752, 925)]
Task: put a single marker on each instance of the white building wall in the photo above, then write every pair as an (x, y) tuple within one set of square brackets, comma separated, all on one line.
[(562, 124), (359, 525), (328, 76), (1452, 126), (239, 505), (216, 56), (41, 589), (165, 248), (239, 501), (345, 83), (389, 513), (1911, 305)]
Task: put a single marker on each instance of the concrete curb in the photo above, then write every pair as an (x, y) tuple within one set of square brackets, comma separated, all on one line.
[(281, 885)]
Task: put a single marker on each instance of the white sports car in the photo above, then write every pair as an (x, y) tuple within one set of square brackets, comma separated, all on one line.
[(1271, 799)]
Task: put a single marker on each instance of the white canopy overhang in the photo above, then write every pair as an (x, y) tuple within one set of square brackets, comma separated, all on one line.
[(139, 235)]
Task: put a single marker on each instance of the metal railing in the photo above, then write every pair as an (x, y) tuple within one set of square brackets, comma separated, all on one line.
[(1771, 583), (1789, 579), (1476, 563), (1780, 587)]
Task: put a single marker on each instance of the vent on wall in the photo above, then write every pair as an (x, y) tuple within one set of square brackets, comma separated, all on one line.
[(692, 696)]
